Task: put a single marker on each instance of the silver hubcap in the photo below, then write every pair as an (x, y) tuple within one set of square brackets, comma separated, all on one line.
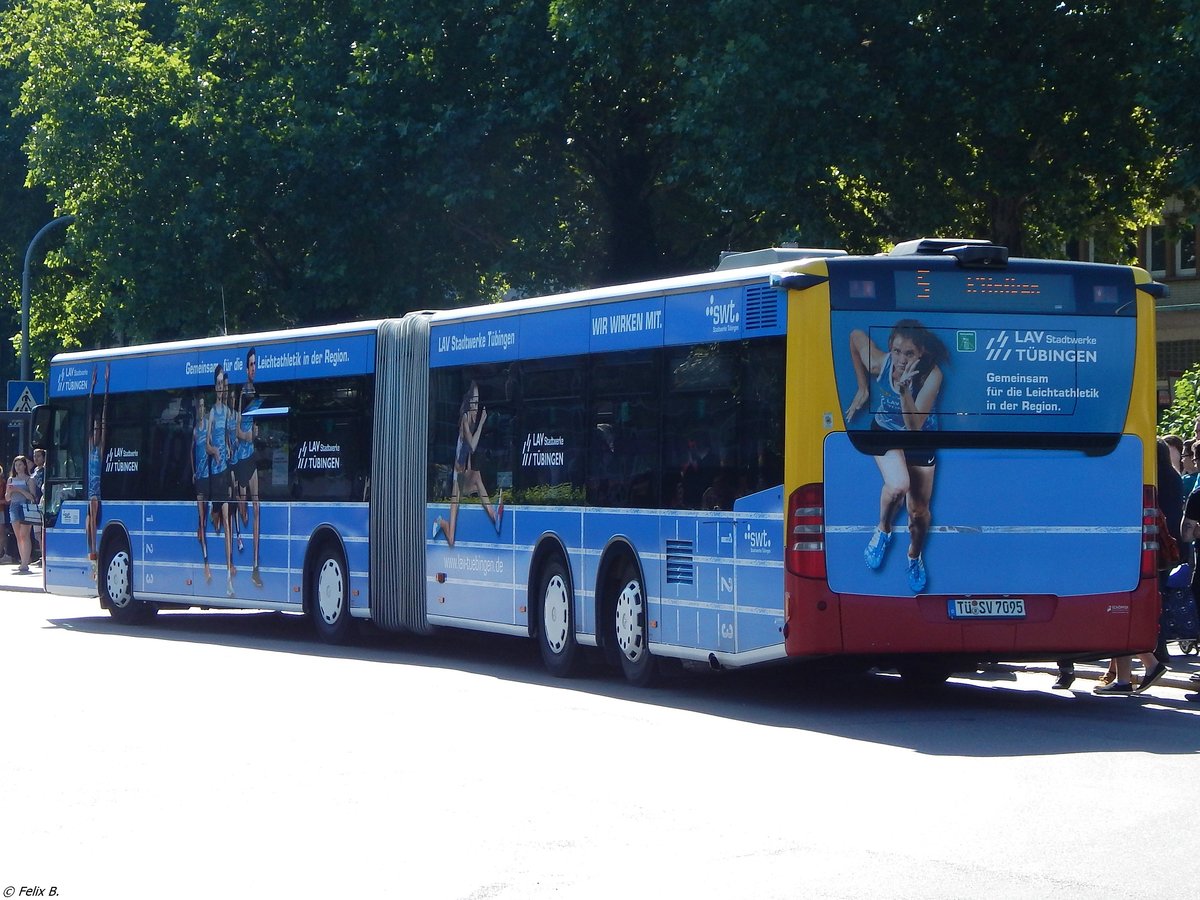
[(556, 614), (631, 621), (331, 591), (116, 580)]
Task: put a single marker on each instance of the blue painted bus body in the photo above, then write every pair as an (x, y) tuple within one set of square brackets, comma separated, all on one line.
[(715, 579), (168, 562)]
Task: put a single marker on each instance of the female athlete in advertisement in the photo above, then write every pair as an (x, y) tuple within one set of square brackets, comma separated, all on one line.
[(909, 377), (467, 480)]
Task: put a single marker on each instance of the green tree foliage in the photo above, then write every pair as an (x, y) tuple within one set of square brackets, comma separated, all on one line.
[(1174, 72), (1023, 122), (239, 164), (25, 210), (245, 164), (625, 67), (101, 98), (1180, 417)]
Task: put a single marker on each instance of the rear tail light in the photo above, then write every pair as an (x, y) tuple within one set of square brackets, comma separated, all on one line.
[(806, 531), (1149, 531)]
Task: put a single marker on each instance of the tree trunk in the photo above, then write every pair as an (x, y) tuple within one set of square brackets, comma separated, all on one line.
[(625, 185), (1005, 215)]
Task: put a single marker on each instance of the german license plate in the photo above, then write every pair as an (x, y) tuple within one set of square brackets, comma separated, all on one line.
[(1008, 608)]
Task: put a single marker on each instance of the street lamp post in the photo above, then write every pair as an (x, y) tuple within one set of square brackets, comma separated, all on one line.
[(61, 220)]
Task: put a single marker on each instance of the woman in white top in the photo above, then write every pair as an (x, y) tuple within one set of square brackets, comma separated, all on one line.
[(21, 490)]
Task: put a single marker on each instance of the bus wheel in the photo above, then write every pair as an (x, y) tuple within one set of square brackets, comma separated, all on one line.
[(630, 631), (115, 576), (556, 630), (329, 602), (923, 674)]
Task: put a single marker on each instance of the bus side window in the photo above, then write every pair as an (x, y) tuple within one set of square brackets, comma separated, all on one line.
[(168, 466), (63, 464), (271, 452), (65, 454), (551, 433), (625, 465), (722, 404), (702, 386)]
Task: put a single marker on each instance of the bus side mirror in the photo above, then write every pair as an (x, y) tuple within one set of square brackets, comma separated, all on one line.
[(42, 420)]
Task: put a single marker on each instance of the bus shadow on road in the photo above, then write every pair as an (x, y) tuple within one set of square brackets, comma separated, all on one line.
[(994, 713)]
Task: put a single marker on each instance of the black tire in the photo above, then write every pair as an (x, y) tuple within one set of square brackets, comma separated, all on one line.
[(556, 621), (630, 627), (924, 674), (114, 578), (329, 596)]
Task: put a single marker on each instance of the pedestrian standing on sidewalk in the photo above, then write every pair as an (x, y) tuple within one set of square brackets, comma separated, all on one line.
[(1118, 680), (6, 558), (1190, 533), (1191, 474), (38, 477), (21, 492), (1175, 447), (1066, 675)]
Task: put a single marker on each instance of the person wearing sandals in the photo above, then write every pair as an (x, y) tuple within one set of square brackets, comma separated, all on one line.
[(1118, 680), (21, 491)]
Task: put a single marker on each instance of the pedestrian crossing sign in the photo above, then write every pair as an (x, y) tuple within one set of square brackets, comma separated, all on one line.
[(23, 396)]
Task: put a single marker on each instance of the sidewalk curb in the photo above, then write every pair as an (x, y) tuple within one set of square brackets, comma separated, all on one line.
[(27, 582), (24, 587)]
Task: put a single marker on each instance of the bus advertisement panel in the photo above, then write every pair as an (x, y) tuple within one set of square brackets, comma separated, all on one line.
[(651, 423), (983, 409), (1005, 516), (176, 447), (801, 454)]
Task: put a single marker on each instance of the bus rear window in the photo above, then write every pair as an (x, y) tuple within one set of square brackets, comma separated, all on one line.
[(938, 373)]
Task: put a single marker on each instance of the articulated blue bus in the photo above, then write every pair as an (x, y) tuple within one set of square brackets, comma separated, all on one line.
[(735, 467)]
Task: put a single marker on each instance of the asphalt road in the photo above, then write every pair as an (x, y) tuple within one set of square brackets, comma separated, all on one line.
[(229, 755)]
